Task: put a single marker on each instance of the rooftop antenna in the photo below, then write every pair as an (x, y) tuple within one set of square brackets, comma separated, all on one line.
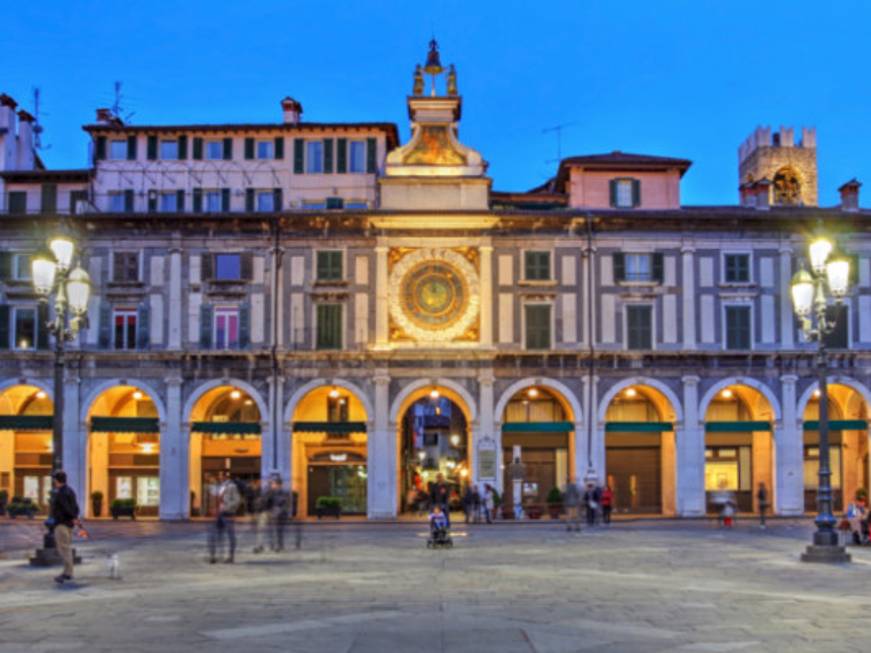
[(37, 127), (117, 108), (559, 138)]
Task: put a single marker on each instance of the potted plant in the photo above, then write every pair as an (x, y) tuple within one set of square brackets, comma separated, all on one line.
[(123, 508), (22, 506), (4, 499), (328, 507), (96, 503), (554, 502), (861, 494)]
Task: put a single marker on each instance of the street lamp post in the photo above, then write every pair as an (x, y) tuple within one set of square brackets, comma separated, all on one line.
[(812, 291)]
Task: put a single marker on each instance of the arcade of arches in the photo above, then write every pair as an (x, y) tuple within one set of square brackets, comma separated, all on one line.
[(25, 443)]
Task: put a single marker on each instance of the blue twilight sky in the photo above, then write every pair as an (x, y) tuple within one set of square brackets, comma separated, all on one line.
[(679, 78)]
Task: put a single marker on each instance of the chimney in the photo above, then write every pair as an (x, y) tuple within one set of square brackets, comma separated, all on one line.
[(7, 113), (850, 195), (746, 193), (292, 111), (104, 116), (763, 194), (26, 159)]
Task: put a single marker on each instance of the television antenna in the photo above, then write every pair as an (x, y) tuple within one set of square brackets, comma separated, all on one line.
[(117, 107), (558, 130), (37, 127)]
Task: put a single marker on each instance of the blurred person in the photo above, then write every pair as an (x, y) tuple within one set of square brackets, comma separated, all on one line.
[(279, 505), (440, 495), (592, 497), (259, 514), (607, 501), (64, 513), (228, 500), (762, 499), (572, 503)]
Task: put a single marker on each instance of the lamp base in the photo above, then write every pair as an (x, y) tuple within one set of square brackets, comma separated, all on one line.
[(827, 554), (49, 557)]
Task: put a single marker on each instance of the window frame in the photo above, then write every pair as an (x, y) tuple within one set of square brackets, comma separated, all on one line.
[(216, 277), (227, 313), (351, 144), (111, 154), (13, 327), (620, 182), (207, 156), (16, 265), (724, 266), (167, 142), (550, 275), (724, 336), (341, 255), (138, 256), (129, 314), (270, 149), (525, 316), (626, 310), (261, 194), (309, 162)]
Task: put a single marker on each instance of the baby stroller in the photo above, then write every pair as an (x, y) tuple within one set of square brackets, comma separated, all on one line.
[(439, 536)]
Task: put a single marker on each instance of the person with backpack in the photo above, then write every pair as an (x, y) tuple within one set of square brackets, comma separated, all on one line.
[(229, 500), (64, 513)]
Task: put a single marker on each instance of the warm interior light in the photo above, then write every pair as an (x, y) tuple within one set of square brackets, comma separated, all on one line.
[(455, 440), (42, 271), (532, 393), (235, 394), (40, 395), (726, 394), (421, 455), (802, 293), (334, 393), (249, 402), (434, 394), (631, 392), (78, 291), (819, 251), (464, 472), (817, 393), (147, 447), (838, 276), (63, 248), (137, 395)]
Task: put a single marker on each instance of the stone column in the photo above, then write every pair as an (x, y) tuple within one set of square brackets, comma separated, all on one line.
[(486, 426), (688, 297), (174, 489), (75, 438), (382, 337), (175, 303), (487, 296), (581, 461), (787, 321), (381, 454), (789, 453), (593, 451), (690, 455)]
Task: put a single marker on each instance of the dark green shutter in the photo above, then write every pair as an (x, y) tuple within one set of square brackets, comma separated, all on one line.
[(619, 261), (225, 200), (537, 326), (76, 196), (656, 266), (152, 201), (329, 328), (142, 327), (228, 149), (197, 148), (205, 326), (49, 198), (246, 266), (151, 150), (104, 339), (329, 266), (4, 326), (279, 147), (244, 326), (100, 148), (277, 199), (639, 327), (182, 147), (128, 200), (249, 148), (179, 201), (342, 155), (612, 192), (42, 326), (207, 267), (636, 192), (298, 156), (371, 155), (198, 200), (131, 148), (5, 266), (249, 199), (328, 155)]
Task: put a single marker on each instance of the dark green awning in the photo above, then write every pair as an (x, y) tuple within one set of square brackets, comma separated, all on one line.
[(26, 422), (838, 425), (229, 428), (335, 428), (638, 427), (125, 425), (537, 427), (736, 427)]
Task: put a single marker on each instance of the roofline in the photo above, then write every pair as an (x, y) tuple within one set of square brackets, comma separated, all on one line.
[(80, 174), (658, 164)]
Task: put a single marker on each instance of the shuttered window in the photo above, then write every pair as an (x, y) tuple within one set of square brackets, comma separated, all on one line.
[(17, 201), (49, 198), (24, 322), (329, 266), (737, 327), (124, 328), (537, 326), (737, 268), (639, 327), (537, 266), (125, 267), (314, 156), (329, 326), (625, 193)]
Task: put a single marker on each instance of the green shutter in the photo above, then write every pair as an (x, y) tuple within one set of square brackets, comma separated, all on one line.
[(5, 266), (537, 326), (225, 200), (612, 191), (371, 155), (342, 155), (205, 327), (249, 148), (279, 147), (328, 155), (298, 156), (244, 326), (131, 148), (207, 266), (151, 150), (197, 148), (100, 148), (198, 200), (277, 199), (636, 192), (48, 198), (128, 200), (4, 326), (182, 147), (656, 266), (142, 327), (228, 149), (639, 333), (329, 328), (249, 200), (329, 266), (619, 262)]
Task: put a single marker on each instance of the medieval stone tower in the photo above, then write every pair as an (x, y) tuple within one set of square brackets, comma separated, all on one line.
[(776, 161)]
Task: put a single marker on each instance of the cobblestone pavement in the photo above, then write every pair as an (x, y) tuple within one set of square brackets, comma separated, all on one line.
[(636, 586)]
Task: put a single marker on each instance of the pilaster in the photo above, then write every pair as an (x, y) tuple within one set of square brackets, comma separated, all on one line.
[(789, 453), (381, 298), (174, 503), (690, 455), (487, 295), (787, 321), (688, 297), (175, 304), (381, 453)]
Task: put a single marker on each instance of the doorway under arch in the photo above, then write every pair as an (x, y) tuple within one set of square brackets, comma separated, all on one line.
[(26, 443)]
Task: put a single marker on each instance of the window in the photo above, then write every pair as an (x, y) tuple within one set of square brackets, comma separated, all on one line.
[(24, 320), (21, 270), (228, 267), (125, 266), (329, 266), (124, 324), (214, 150), (314, 205), (737, 268), (537, 266), (265, 201), (639, 327), (357, 158), (213, 200), (737, 327), (17, 201), (148, 491), (314, 158), (356, 204), (116, 202), (226, 334), (537, 326), (169, 149), (265, 150), (329, 326), (638, 267), (624, 193), (118, 150), (337, 408), (839, 316), (335, 203), (168, 202)]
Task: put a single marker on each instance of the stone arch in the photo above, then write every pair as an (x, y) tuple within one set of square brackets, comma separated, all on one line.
[(562, 390), (406, 395), (42, 385), (304, 390), (721, 385), (851, 383), (659, 386), (201, 390), (103, 386)]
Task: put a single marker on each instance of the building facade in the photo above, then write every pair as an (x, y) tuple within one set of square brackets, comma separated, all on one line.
[(358, 315)]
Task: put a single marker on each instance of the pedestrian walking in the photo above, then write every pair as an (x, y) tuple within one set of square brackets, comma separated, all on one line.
[(64, 513), (572, 503), (440, 496), (467, 504), (489, 503), (762, 500), (260, 515), (607, 501), (476, 505), (279, 508), (228, 503), (591, 501)]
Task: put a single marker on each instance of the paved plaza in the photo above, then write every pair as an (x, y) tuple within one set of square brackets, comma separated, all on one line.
[(635, 586)]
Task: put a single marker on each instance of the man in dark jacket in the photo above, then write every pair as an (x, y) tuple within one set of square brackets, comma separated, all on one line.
[(440, 495), (64, 512)]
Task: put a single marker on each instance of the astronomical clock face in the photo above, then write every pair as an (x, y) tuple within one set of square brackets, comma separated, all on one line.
[(434, 295)]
